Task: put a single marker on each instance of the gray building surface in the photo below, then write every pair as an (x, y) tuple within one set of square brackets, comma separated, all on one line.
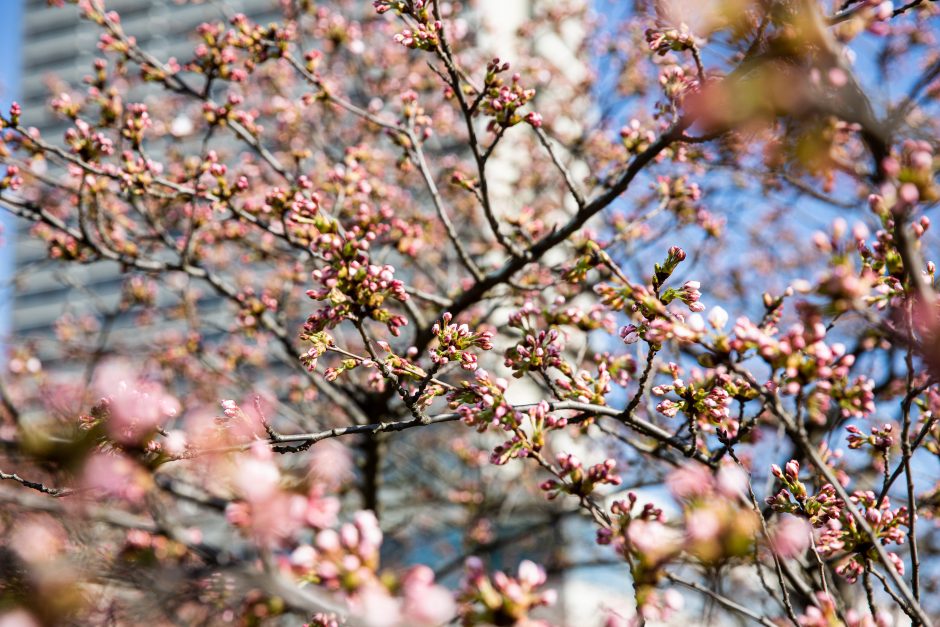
[(60, 47)]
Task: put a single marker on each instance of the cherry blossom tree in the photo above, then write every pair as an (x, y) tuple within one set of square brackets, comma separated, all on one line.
[(414, 335)]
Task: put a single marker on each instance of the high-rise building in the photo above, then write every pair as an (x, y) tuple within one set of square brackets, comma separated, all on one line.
[(59, 47)]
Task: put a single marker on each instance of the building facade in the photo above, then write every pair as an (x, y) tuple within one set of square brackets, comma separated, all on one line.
[(59, 48)]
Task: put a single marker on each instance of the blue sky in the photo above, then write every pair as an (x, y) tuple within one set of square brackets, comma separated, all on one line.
[(10, 41)]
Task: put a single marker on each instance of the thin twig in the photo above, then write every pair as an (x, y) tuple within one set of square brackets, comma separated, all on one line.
[(35, 485), (417, 156), (562, 169), (722, 600)]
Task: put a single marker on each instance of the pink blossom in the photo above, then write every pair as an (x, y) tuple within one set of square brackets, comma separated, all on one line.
[(376, 607), (18, 618), (718, 318), (331, 464), (38, 538), (424, 602), (790, 536), (256, 479), (321, 510), (703, 525), (652, 539), (689, 481), (136, 406), (117, 476), (732, 482)]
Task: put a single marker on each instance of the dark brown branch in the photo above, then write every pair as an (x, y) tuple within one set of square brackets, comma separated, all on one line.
[(35, 485)]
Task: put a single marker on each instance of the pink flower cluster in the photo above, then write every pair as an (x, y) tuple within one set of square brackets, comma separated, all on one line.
[(352, 285), (521, 444), (690, 295), (425, 35), (482, 403), (263, 510), (633, 298), (322, 619), (793, 497), (717, 520), (341, 560), (347, 561), (790, 536), (662, 40), (707, 398), (117, 476), (840, 536), (261, 42), (562, 312), (915, 171), (66, 106), (838, 532), (502, 101), (217, 53), (132, 407), (11, 179), (537, 352), (717, 524), (805, 359), (585, 387), (87, 143), (455, 340), (136, 124), (574, 480), (252, 307), (881, 439), (880, 11), (618, 535), (636, 137), (682, 198), (320, 342), (15, 112), (676, 82), (645, 541), (824, 613), (501, 599), (647, 304)]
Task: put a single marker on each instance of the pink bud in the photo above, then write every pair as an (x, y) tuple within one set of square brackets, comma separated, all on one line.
[(793, 469), (909, 193)]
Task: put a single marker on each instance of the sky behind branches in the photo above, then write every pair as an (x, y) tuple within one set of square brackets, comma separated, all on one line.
[(11, 13)]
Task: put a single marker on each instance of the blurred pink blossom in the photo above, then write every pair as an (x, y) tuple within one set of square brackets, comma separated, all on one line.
[(38, 538), (18, 618), (690, 481), (137, 406), (116, 476), (790, 536), (426, 603), (321, 510)]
